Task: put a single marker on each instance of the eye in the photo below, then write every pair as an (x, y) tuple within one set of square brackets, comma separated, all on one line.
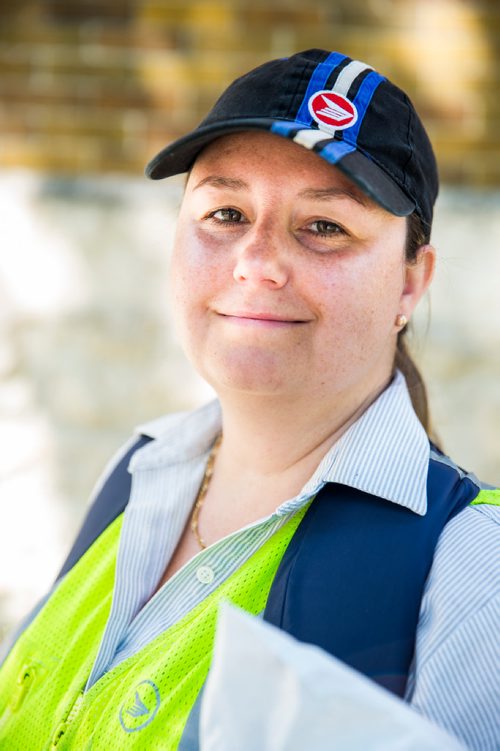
[(325, 228), (226, 215)]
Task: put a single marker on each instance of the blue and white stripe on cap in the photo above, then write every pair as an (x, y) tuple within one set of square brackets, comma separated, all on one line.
[(335, 150), (311, 136), (318, 81)]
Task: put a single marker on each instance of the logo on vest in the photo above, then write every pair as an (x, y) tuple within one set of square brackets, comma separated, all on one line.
[(140, 708), (332, 111)]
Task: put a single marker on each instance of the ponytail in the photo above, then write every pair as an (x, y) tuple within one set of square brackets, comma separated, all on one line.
[(417, 236), (414, 381)]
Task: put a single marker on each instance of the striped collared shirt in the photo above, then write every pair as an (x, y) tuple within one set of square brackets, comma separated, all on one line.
[(385, 453)]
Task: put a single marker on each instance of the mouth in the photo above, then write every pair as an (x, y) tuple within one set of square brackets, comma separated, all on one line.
[(261, 319)]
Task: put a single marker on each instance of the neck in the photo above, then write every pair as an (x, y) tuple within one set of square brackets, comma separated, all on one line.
[(269, 436), (270, 448)]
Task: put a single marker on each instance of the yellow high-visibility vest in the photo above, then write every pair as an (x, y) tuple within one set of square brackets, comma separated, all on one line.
[(143, 702)]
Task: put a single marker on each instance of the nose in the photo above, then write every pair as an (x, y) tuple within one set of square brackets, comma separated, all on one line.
[(261, 258)]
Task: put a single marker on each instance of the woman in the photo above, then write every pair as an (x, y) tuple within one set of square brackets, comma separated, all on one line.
[(309, 491)]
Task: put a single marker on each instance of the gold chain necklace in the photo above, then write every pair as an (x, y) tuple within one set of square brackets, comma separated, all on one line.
[(209, 470)]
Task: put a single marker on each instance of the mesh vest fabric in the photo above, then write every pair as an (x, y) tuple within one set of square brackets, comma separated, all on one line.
[(144, 702), (489, 497)]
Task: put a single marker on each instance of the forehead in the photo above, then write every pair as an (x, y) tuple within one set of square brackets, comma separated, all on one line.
[(261, 154)]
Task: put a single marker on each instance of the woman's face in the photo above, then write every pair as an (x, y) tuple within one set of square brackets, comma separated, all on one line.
[(286, 278)]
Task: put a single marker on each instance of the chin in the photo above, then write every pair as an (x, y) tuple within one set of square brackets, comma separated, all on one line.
[(249, 371)]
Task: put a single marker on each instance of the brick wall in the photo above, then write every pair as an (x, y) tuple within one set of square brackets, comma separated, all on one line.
[(100, 85)]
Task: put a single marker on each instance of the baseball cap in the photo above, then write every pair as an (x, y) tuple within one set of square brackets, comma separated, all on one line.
[(339, 108)]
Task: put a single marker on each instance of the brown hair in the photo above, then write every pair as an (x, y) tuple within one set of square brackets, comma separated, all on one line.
[(417, 235)]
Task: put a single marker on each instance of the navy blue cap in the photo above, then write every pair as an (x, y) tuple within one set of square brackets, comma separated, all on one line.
[(341, 109)]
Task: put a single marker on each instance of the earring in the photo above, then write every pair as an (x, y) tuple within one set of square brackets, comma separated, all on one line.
[(401, 320)]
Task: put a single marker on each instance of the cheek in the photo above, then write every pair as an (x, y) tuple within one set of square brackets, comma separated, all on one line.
[(186, 268), (183, 281), (195, 264), (193, 281), (360, 303), (184, 256)]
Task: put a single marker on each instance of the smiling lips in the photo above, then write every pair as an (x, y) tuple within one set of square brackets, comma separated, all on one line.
[(270, 320)]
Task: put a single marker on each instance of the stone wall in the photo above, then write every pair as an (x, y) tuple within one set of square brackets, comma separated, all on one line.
[(89, 86)]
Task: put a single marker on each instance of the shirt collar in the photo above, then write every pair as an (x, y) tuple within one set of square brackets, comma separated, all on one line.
[(384, 453), (178, 437)]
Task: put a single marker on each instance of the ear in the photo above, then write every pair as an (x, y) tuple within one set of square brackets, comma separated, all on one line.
[(418, 276)]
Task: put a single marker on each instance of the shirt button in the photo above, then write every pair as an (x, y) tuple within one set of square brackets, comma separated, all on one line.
[(205, 574)]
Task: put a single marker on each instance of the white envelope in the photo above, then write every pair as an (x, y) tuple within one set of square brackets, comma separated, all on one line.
[(266, 691)]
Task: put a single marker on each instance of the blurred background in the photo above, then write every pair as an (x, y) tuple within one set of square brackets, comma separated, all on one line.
[(90, 90)]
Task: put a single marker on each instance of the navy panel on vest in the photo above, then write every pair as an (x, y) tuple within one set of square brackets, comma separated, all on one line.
[(353, 576), (109, 503)]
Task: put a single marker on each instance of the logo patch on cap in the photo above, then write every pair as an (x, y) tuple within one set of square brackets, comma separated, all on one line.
[(332, 111)]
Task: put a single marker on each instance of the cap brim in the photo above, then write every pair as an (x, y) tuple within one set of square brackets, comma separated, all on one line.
[(180, 155)]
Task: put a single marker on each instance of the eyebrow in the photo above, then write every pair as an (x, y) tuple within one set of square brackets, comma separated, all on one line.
[(318, 194), (218, 181), (325, 194)]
